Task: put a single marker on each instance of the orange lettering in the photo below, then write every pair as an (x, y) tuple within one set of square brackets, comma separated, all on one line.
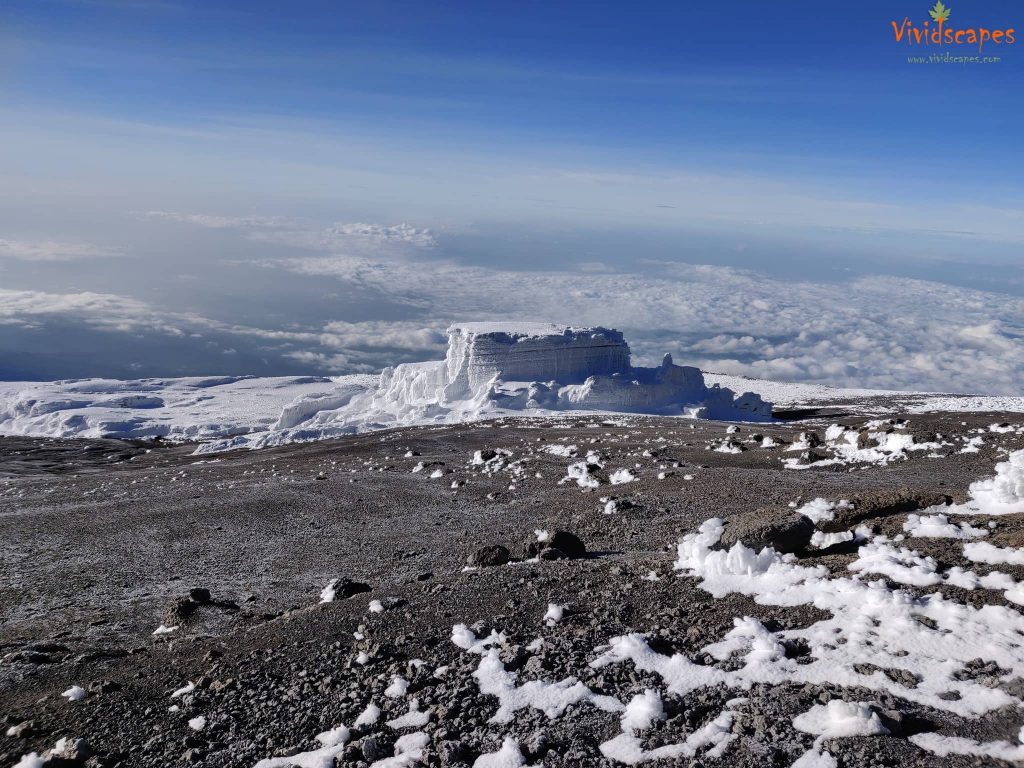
[(898, 31)]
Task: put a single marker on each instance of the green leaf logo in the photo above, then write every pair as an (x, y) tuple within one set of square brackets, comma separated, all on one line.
[(939, 12)]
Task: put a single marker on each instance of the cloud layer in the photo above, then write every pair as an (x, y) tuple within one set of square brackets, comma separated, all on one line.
[(880, 332), (875, 331)]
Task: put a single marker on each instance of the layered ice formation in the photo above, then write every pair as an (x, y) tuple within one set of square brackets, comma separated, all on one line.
[(480, 352), (493, 370)]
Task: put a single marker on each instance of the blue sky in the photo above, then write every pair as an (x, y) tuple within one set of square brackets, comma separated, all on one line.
[(791, 92), (791, 87), (793, 139)]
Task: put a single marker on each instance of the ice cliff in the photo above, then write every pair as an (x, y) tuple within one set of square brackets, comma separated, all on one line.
[(497, 369)]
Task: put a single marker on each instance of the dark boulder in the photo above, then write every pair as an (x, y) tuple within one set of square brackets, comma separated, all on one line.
[(489, 556), (346, 588), (782, 529), (566, 546)]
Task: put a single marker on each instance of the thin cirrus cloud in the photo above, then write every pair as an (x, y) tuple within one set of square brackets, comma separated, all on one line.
[(213, 221), (289, 231), (48, 250)]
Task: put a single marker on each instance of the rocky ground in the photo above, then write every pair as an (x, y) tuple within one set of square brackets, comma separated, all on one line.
[(418, 531)]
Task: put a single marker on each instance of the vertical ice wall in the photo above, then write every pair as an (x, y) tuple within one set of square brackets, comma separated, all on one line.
[(480, 352)]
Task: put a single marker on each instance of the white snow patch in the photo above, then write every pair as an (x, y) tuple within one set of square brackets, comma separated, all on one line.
[(819, 510), (509, 756), (1002, 494), (409, 750), (186, 688), (944, 746), (937, 526), (399, 686), (983, 552), (328, 593), (642, 710), (621, 476), (74, 693), (930, 637), (812, 758), (464, 638), (550, 698), (580, 472), (369, 716), (840, 718), (332, 744), (822, 540), (31, 760), (565, 451), (554, 614), (414, 718)]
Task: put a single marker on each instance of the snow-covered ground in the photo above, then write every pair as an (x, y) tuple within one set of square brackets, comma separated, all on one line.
[(489, 371), (181, 409), (793, 394)]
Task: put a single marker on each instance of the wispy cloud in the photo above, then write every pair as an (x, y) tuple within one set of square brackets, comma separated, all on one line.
[(212, 221), (47, 250), (293, 232)]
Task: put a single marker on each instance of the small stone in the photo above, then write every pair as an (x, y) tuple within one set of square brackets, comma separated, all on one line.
[(452, 753), (22, 730), (373, 749), (180, 612), (552, 553), (104, 686), (892, 719), (73, 752)]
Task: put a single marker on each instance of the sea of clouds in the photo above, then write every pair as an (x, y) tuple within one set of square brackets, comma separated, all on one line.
[(873, 331)]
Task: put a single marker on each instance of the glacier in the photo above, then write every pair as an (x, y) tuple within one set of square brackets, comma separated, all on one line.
[(176, 409), (489, 370), (496, 369)]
